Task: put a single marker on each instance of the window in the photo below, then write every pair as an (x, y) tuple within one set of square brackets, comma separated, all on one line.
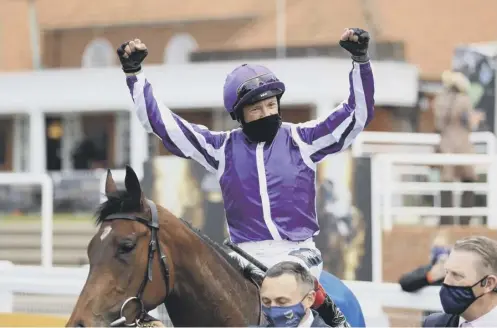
[(96, 149), (98, 53), (5, 144), (3, 147), (179, 48)]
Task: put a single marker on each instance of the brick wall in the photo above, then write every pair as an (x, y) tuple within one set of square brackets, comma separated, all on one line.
[(64, 48)]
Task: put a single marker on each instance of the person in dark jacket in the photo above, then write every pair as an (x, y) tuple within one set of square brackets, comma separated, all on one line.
[(426, 275), (287, 294), (469, 291), (431, 274)]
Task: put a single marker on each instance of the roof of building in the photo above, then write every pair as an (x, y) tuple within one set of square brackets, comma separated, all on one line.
[(430, 29)]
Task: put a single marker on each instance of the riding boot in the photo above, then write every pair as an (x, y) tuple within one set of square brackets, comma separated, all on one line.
[(327, 309)]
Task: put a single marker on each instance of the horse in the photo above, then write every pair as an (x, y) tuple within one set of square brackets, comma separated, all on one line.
[(142, 256)]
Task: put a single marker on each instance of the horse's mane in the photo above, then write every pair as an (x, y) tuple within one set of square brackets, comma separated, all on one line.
[(248, 272), (122, 201)]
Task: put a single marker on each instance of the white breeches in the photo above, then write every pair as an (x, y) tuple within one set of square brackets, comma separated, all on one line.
[(271, 252)]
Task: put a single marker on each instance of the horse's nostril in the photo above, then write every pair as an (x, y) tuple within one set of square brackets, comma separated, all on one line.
[(80, 324)]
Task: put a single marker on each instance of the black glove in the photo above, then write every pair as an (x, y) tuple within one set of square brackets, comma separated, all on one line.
[(359, 48), (131, 63)]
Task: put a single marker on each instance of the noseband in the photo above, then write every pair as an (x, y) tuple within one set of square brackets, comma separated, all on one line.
[(153, 246)]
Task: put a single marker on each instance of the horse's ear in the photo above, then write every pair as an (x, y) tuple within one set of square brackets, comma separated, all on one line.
[(131, 182), (110, 184), (133, 187)]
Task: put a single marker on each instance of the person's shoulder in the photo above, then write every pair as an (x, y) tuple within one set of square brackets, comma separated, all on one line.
[(318, 321), (441, 319), (235, 132)]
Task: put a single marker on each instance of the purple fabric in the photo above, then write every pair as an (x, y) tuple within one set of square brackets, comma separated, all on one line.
[(130, 81), (159, 128), (240, 188), (194, 141), (326, 127), (330, 124), (290, 182), (308, 135), (237, 77), (335, 147), (155, 120), (291, 188), (368, 86)]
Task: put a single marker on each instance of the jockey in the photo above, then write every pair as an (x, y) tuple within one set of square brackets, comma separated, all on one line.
[(266, 169)]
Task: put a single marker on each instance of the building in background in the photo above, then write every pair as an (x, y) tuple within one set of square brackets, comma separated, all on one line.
[(75, 36)]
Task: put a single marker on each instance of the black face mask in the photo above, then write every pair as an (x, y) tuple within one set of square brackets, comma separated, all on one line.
[(456, 299), (263, 129)]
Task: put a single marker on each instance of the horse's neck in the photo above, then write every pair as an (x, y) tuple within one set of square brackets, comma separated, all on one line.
[(209, 291)]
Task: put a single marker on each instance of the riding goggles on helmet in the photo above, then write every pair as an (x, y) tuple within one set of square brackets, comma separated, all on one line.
[(254, 88)]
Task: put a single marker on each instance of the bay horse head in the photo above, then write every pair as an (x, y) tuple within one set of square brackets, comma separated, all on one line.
[(142, 256)]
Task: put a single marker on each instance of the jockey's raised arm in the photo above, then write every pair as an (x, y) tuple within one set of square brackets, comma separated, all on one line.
[(178, 136), (338, 130), (266, 168)]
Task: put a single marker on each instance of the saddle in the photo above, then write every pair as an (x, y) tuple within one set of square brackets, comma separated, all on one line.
[(245, 255)]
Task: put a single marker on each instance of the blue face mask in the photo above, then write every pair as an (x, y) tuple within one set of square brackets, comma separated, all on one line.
[(284, 316), (456, 299)]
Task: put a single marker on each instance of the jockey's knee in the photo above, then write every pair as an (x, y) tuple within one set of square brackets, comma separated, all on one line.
[(316, 270), (308, 258)]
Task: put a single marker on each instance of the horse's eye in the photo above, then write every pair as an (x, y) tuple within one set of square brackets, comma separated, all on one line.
[(126, 246)]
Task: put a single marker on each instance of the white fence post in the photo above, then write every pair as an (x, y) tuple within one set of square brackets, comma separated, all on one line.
[(492, 196), (47, 196), (387, 195), (6, 295), (376, 219), (388, 211), (417, 139)]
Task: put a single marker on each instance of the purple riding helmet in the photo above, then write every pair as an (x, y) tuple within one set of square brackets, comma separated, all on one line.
[(248, 84)]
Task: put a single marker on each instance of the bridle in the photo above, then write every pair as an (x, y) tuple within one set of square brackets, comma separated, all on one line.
[(153, 246)]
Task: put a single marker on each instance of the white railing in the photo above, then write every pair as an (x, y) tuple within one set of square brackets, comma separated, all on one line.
[(47, 195), (389, 186), (395, 142), (69, 282), (383, 188), (38, 280), (416, 139)]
